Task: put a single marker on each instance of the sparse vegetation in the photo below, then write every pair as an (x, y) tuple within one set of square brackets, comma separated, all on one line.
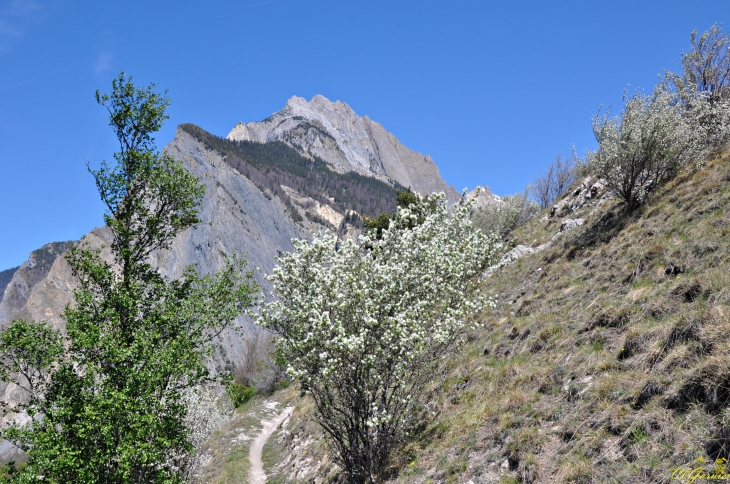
[(560, 174), (273, 164), (502, 218), (240, 394)]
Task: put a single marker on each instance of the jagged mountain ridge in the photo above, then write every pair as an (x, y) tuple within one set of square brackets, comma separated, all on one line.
[(14, 294), (333, 132)]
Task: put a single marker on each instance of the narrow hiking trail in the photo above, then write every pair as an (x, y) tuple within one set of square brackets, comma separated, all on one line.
[(256, 473), (234, 454)]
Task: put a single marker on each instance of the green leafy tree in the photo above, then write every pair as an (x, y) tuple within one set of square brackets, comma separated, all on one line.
[(113, 402), (405, 198)]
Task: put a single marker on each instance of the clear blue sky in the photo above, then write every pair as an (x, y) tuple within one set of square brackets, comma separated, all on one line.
[(491, 90)]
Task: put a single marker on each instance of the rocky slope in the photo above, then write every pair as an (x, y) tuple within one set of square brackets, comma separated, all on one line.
[(5, 277), (333, 132), (15, 293), (484, 196)]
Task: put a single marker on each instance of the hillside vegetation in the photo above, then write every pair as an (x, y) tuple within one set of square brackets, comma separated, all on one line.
[(607, 358)]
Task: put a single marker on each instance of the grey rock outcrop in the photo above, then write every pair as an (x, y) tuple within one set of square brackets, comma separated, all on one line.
[(5, 277), (333, 132), (27, 276), (590, 191), (484, 196)]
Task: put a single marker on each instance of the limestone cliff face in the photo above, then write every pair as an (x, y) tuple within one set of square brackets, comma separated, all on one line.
[(237, 218), (32, 272), (347, 142), (5, 277)]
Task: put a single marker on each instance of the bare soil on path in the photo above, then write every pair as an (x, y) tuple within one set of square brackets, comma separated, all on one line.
[(256, 472)]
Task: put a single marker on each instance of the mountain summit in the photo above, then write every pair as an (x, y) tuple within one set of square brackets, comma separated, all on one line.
[(347, 142)]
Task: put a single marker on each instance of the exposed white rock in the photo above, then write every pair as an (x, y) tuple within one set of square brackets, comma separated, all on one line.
[(333, 132), (589, 190), (570, 223), (307, 203)]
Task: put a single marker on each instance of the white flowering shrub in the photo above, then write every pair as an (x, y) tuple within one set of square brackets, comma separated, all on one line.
[(705, 68), (645, 146), (362, 326), (678, 126), (501, 218), (206, 413)]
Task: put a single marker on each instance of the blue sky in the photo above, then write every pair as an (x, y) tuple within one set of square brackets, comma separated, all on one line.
[(491, 90)]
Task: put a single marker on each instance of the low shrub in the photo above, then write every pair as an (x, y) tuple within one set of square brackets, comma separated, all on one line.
[(240, 394)]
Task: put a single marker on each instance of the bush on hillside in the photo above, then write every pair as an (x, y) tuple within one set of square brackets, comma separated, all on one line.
[(559, 175), (240, 394), (677, 126), (643, 147), (705, 69), (501, 218), (363, 326)]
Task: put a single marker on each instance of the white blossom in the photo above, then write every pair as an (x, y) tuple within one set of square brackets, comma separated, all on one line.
[(362, 325)]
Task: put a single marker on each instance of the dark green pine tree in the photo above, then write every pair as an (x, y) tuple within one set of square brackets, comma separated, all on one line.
[(106, 398)]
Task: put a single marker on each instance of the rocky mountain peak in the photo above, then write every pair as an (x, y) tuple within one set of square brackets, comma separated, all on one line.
[(333, 132), (484, 196)]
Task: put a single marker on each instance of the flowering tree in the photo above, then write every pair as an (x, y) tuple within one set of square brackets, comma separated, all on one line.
[(655, 136), (362, 326), (643, 147), (706, 67), (683, 121)]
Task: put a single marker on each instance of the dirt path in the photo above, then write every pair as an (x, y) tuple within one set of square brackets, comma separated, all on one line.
[(256, 474)]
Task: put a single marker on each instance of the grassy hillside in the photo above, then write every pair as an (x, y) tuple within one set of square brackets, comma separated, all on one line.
[(607, 358), (271, 165)]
